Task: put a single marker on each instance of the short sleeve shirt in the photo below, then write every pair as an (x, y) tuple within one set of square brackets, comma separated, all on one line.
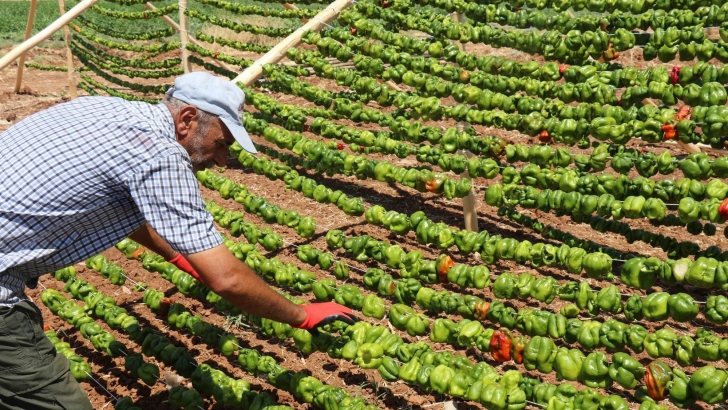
[(78, 177)]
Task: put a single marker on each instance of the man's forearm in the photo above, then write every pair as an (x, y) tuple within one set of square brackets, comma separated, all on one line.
[(252, 295), (237, 283), (229, 278), (149, 238)]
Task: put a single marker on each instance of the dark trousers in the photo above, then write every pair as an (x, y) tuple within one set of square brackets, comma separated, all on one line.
[(32, 375)]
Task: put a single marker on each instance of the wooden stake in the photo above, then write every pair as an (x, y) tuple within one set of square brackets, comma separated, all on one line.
[(26, 45), (69, 54), (689, 148), (471, 217), (183, 35), (252, 73), (695, 148), (192, 40), (393, 85), (290, 6), (28, 32)]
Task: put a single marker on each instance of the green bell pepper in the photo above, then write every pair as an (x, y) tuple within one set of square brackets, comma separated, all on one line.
[(228, 344), (442, 330), (544, 289), (625, 370), (389, 369), (633, 308), (640, 272), (681, 394), (148, 373), (597, 264), (409, 370), (685, 353), (440, 377), (350, 296), (417, 325), (587, 399), (568, 363), (612, 334), (306, 227), (654, 307), (635, 338), (613, 402), (702, 272), (494, 396), (184, 398), (595, 370), (335, 238), (373, 307), (716, 309), (660, 343), (682, 307), (588, 335), (504, 286), (324, 289), (369, 356), (540, 353), (708, 347), (608, 299), (708, 383)]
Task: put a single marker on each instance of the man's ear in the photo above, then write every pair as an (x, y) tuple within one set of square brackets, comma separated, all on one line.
[(187, 119)]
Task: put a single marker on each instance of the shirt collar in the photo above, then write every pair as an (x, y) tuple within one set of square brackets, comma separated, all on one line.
[(167, 121)]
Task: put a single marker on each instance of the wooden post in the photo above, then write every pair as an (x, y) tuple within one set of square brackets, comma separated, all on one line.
[(28, 32), (26, 45), (393, 85), (183, 35), (192, 40), (69, 53), (252, 73), (459, 18), (689, 148), (471, 217), (290, 6), (695, 148)]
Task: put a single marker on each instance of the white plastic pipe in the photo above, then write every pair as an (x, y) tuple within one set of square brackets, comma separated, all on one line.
[(252, 73)]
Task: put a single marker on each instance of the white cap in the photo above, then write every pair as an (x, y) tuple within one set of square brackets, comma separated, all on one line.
[(216, 96)]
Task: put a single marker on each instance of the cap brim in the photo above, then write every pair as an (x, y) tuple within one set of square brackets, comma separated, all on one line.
[(240, 135)]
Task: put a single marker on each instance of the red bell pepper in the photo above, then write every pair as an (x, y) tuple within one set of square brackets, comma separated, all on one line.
[(443, 265), (723, 209), (500, 345), (675, 74)]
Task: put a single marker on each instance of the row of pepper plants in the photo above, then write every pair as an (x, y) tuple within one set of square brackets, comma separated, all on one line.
[(323, 292), (610, 108), (97, 44)]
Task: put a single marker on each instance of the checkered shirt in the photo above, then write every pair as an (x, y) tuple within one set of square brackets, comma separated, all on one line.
[(77, 178)]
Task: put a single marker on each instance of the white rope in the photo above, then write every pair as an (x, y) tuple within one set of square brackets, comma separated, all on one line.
[(334, 259), (132, 281), (114, 398)]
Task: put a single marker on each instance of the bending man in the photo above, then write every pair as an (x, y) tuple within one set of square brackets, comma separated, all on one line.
[(78, 177)]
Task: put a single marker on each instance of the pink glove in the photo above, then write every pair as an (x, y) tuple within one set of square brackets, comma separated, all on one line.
[(182, 264), (319, 314)]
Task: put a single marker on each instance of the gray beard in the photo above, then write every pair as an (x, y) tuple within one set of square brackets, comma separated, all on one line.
[(198, 163)]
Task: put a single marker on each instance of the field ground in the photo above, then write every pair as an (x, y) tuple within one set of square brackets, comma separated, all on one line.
[(43, 89)]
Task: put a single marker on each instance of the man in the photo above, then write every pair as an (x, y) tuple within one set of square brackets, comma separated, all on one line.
[(78, 177)]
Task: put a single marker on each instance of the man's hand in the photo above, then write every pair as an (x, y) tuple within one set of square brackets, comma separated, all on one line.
[(320, 314), (182, 264)]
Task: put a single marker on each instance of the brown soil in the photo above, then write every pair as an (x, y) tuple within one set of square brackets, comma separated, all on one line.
[(44, 89)]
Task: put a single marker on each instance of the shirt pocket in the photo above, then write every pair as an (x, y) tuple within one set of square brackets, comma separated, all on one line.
[(17, 339)]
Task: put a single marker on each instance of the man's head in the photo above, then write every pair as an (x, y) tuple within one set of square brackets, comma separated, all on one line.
[(206, 112)]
